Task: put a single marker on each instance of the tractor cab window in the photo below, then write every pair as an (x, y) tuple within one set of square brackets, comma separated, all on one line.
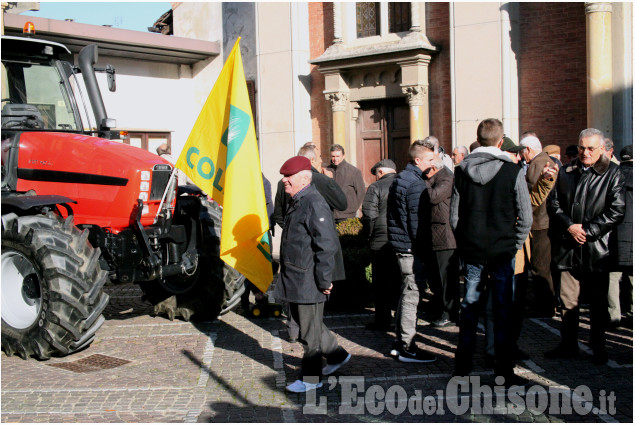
[(35, 97)]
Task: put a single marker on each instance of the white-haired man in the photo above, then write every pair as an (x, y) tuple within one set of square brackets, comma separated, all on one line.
[(438, 149), (386, 288), (541, 293), (458, 154), (307, 248), (585, 206)]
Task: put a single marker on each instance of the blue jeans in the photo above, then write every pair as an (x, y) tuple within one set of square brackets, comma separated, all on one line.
[(497, 276)]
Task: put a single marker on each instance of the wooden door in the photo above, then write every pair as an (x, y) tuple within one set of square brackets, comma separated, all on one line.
[(383, 131), (371, 139), (399, 134)]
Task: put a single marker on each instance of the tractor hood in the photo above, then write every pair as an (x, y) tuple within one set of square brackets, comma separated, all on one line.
[(77, 153), (106, 178)]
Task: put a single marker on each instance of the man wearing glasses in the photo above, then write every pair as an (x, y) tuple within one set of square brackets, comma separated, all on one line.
[(585, 206)]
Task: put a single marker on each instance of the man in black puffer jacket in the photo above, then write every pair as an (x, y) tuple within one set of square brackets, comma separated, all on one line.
[(404, 196), (383, 259), (585, 205)]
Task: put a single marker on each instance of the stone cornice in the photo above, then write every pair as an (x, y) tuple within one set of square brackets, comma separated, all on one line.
[(339, 56)]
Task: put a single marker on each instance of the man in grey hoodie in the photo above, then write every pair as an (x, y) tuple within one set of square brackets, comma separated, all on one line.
[(494, 216)]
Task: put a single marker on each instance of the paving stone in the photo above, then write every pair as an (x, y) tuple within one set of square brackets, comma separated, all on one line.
[(235, 370)]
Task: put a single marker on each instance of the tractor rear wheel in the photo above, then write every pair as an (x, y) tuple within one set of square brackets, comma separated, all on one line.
[(52, 287), (213, 289)]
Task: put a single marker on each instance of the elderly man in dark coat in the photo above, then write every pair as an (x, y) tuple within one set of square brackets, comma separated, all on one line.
[(586, 204), (386, 282), (622, 240), (336, 200), (307, 248), (440, 258)]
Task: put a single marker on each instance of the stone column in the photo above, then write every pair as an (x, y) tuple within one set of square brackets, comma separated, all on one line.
[(419, 121), (336, 91), (339, 102), (414, 84), (414, 16), (599, 67)]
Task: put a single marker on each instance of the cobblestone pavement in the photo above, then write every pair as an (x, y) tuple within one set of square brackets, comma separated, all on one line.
[(149, 369)]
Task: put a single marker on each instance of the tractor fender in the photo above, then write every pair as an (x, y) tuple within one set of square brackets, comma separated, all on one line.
[(27, 202)]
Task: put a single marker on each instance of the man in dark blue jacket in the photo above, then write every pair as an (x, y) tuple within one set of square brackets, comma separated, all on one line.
[(307, 248), (404, 196)]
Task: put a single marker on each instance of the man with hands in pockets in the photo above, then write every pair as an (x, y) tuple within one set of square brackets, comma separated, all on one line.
[(307, 248)]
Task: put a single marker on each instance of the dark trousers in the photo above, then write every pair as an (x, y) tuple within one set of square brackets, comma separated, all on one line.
[(597, 285), (386, 283), (292, 326), (498, 277), (317, 340), (541, 292), (443, 276), (517, 313)]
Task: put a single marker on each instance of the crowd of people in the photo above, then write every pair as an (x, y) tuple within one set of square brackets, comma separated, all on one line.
[(525, 231)]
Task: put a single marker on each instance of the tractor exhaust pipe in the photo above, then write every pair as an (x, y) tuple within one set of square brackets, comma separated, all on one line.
[(87, 59)]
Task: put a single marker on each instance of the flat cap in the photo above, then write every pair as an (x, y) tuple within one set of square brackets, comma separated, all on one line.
[(294, 165), (510, 146), (552, 149), (384, 163)]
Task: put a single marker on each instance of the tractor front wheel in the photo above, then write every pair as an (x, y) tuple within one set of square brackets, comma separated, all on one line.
[(52, 287)]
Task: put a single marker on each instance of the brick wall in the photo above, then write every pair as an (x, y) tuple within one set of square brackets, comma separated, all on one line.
[(552, 71), (438, 32), (321, 36)]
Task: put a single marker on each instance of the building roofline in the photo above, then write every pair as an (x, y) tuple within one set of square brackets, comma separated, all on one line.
[(116, 42)]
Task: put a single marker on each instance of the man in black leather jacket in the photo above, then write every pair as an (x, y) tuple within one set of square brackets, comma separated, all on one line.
[(587, 203)]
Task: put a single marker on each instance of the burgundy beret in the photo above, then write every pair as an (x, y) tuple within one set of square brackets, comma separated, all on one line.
[(295, 165)]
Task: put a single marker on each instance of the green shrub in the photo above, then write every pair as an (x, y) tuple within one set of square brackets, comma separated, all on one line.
[(355, 291)]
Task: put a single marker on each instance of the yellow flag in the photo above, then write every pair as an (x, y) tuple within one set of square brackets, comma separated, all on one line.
[(221, 157)]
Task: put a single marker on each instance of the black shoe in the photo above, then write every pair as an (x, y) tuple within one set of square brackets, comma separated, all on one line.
[(442, 323), (374, 326), (292, 340), (521, 355), (599, 359), (561, 353), (396, 347), (415, 355)]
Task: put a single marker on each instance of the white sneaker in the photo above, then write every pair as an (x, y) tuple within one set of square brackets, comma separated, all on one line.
[(330, 368), (302, 387)]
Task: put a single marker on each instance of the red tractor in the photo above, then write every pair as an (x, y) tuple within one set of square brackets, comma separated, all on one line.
[(80, 211)]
